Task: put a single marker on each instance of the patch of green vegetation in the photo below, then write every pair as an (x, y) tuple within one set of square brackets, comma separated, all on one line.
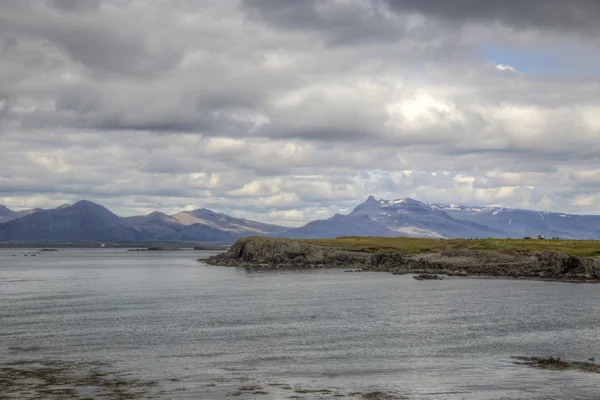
[(586, 248), (260, 392)]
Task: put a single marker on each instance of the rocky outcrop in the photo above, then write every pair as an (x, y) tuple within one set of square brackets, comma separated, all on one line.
[(281, 253), (258, 252)]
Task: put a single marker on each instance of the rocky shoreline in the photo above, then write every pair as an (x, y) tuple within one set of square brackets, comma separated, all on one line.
[(265, 253)]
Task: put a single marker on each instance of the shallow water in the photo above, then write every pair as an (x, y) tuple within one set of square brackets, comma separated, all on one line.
[(208, 331)]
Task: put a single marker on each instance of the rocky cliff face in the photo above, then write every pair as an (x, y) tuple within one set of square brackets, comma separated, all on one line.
[(257, 252), (282, 253)]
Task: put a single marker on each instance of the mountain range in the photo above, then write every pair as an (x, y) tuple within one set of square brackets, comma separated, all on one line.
[(86, 221)]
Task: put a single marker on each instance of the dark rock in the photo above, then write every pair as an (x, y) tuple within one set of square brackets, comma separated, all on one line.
[(422, 277)]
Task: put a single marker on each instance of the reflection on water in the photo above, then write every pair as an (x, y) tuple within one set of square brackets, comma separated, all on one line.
[(214, 330)]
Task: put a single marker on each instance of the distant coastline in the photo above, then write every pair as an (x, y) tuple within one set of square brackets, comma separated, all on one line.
[(128, 245)]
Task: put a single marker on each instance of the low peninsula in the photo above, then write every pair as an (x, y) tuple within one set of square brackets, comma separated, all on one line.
[(557, 260)]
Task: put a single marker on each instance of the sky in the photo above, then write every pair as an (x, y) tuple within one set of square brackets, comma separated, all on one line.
[(287, 111)]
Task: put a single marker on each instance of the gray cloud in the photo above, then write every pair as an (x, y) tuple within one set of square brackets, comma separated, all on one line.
[(292, 110), (576, 15), (346, 23)]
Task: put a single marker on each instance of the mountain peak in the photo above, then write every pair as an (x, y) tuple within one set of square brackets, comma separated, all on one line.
[(89, 208), (157, 215), (85, 202), (199, 212), (378, 200), (5, 210), (377, 204)]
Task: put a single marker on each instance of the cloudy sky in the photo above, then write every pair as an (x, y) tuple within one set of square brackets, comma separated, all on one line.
[(287, 111)]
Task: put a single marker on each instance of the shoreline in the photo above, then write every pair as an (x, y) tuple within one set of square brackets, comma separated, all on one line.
[(260, 253)]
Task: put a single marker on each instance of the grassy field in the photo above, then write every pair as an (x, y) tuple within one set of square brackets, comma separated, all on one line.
[(590, 248)]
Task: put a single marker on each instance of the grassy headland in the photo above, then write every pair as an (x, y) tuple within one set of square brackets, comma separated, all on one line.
[(564, 260), (582, 248)]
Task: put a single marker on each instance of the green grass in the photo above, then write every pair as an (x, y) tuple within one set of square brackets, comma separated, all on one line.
[(588, 248)]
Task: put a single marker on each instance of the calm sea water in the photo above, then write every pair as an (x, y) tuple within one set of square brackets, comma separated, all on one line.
[(212, 329)]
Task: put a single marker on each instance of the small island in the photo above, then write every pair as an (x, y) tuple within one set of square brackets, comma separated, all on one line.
[(157, 248), (556, 260)]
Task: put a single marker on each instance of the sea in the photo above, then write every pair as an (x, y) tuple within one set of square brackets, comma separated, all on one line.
[(205, 332)]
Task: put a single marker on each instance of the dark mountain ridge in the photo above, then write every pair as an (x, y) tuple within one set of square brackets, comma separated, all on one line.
[(83, 221)]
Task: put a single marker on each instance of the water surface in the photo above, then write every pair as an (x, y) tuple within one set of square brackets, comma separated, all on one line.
[(210, 330)]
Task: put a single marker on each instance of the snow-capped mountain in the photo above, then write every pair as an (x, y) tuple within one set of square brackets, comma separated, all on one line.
[(411, 217), (520, 223)]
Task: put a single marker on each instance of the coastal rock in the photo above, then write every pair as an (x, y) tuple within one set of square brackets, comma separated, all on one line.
[(553, 264), (280, 253)]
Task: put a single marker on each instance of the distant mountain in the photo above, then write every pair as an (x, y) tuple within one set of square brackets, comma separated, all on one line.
[(87, 221), (340, 225), (155, 225), (83, 221), (410, 217), (236, 226), (7, 214), (160, 226), (520, 223)]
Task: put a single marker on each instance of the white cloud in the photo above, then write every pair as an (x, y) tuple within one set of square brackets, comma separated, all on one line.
[(284, 112), (503, 67)]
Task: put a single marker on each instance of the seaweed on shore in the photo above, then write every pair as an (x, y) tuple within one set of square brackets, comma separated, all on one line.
[(556, 364), (37, 380)]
